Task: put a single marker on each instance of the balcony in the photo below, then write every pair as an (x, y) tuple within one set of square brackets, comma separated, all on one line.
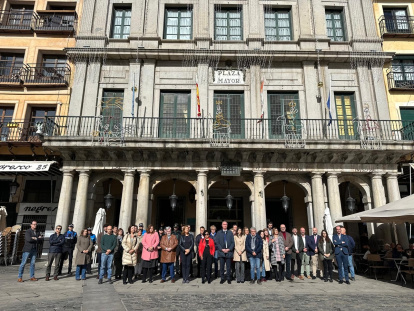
[(42, 75), (397, 27), (204, 130), (21, 131), (16, 21), (10, 74), (398, 81), (63, 21)]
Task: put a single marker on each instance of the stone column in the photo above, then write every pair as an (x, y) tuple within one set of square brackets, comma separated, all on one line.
[(62, 216), (127, 198), (334, 197), (147, 89), (394, 195), (378, 194), (259, 201), (309, 209), (201, 203), (76, 97), (79, 214), (318, 201), (143, 198)]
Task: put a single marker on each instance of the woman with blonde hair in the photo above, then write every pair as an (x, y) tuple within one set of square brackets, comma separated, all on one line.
[(129, 255)]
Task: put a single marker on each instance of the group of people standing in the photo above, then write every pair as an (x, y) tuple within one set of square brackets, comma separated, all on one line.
[(140, 253)]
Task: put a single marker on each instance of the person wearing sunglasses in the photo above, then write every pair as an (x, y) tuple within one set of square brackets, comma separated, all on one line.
[(56, 242), (206, 250)]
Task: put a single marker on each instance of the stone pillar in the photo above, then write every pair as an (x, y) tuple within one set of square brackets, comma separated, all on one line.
[(151, 20), (201, 203), (127, 199), (318, 201), (143, 198), (62, 216), (394, 195), (78, 88), (147, 89), (311, 94), (79, 214), (259, 201), (305, 19), (334, 197), (378, 194), (309, 209), (91, 89)]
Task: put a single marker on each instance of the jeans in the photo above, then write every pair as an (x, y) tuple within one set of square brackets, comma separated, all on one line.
[(50, 258), (342, 261), (206, 267), (351, 267), (327, 268), (106, 261), (186, 263), (32, 254), (240, 271), (288, 273), (81, 269), (305, 265), (165, 267), (227, 261), (263, 269), (254, 266)]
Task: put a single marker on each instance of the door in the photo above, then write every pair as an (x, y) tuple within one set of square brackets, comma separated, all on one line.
[(10, 67), (284, 115), (277, 215), (21, 15), (165, 214), (218, 211), (6, 128), (112, 112), (229, 109), (407, 118), (53, 68), (175, 115), (396, 20), (345, 113)]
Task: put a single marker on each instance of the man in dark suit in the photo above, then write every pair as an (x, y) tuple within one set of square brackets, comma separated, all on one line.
[(198, 238), (254, 250), (287, 239), (224, 241), (297, 253), (341, 243), (312, 246)]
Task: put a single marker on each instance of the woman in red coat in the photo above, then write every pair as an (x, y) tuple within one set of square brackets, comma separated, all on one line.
[(206, 251)]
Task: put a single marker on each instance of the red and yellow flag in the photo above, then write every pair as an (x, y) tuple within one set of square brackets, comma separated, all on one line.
[(198, 99), (262, 101)]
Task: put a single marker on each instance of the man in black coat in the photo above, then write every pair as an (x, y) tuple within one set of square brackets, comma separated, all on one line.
[(56, 242), (31, 239), (199, 237), (297, 253), (71, 238), (224, 242), (177, 233)]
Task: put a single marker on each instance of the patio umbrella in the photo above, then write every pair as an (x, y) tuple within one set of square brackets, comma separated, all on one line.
[(328, 222), (100, 219), (3, 215)]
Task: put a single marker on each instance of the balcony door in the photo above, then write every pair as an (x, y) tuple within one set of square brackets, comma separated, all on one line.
[(20, 15), (396, 20), (284, 114), (53, 67), (112, 112), (407, 118), (403, 72), (231, 106), (345, 112), (6, 116), (11, 66), (175, 115)]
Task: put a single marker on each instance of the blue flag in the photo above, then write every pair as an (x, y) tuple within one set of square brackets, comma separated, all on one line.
[(328, 104)]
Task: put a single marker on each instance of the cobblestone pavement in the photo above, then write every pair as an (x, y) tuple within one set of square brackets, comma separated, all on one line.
[(68, 294)]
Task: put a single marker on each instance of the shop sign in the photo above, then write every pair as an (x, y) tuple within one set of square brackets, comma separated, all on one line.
[(38, 208)]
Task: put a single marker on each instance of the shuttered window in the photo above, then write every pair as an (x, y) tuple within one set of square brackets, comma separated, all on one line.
[(345, 113), (283, 105), (232, 107), (112, 110), (175, 115)]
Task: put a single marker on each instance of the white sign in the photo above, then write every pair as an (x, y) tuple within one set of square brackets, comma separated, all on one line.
[(25, 166), (228, 77), (38, 209)]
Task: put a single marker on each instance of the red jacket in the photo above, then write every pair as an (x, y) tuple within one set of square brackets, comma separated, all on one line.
[(202, 246)]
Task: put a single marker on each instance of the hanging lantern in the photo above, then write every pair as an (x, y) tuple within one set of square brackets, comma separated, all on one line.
[(229, 198), (173, 198), (350, 201), (285, 199), (13, 187), (109, 198)]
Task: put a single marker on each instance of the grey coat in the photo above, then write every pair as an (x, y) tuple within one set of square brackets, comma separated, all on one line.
[(281, 242), (84, 243)]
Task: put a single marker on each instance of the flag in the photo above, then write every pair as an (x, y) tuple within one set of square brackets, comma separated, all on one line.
[(262, 101), (328, 103), (133, 98), (198, 99)]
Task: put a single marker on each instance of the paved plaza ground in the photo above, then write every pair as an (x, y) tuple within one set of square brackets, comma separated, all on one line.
[(69, 294)]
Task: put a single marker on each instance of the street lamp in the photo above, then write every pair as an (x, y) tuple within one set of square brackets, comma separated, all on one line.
[(13, 187), (350, 201), (109, 197), (173, 198), (229, 198), (285, 199)]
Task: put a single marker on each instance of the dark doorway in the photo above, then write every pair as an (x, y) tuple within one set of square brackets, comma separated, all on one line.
[(168, 217), (276, 214), (218, 211)]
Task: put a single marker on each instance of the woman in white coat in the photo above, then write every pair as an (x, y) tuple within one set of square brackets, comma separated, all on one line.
[(129, 256)]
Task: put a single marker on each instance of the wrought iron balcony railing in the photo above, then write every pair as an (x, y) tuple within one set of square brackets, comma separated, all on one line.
[(55, 21), (400, 81), (11, 74), (21, 131), (397, 26), (16, 20), (105, 128), (44, 74)]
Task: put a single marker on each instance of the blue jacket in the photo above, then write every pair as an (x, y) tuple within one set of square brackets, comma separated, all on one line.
[(342, 245), (220, 243), (56, 242), (257, 249), (311, 245), (351, 244), (71, 237)]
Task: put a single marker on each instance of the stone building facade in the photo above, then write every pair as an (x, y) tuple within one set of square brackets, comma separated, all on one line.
[(255, 98)]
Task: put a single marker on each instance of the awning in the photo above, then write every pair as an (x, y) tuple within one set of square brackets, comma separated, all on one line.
[(29, 168)]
